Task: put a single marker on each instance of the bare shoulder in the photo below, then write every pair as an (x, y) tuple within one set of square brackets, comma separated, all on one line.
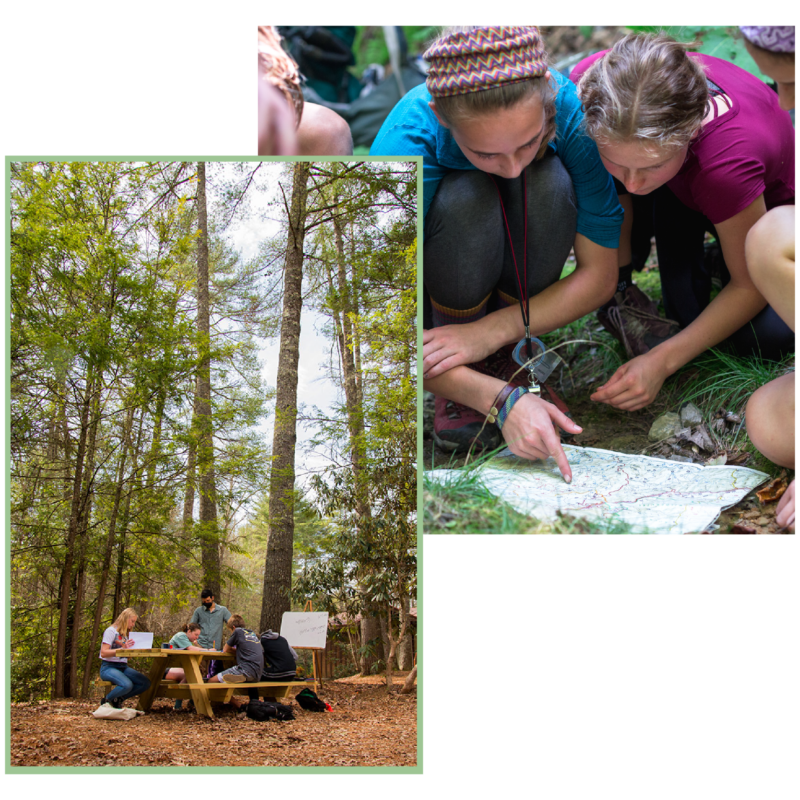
[(323, 132)]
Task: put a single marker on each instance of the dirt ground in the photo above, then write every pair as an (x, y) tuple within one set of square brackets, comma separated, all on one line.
[(367, 728), (563, 41)]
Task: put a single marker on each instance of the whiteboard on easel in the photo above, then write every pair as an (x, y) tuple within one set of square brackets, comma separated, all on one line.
[(305, 628)]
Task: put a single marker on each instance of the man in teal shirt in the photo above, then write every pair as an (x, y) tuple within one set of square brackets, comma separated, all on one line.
[(211, 618)]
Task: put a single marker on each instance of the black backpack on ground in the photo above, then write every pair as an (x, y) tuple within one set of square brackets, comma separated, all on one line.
[(261, 711), (309, 701)]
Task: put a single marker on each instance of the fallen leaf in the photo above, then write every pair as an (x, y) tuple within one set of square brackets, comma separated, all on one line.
[(772, 491)]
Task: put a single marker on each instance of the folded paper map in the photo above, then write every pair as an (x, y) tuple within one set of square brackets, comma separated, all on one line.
[(650, 494)]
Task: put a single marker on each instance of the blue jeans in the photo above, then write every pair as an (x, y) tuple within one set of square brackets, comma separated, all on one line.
[(128, 681)]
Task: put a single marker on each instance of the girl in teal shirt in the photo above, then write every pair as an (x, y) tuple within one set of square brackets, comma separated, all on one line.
[(510, 186)]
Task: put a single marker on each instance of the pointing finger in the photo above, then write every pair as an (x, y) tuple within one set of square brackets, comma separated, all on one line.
[(554, 448)]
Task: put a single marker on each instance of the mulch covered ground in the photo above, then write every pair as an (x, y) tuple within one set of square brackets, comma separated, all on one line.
[(367, 728)]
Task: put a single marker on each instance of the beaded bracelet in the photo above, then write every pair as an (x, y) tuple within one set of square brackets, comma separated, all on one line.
[(504, 402)]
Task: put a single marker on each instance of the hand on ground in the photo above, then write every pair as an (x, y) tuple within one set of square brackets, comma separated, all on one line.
[(634, 385)]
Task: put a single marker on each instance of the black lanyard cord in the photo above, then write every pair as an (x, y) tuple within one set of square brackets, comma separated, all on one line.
[(524, 308)]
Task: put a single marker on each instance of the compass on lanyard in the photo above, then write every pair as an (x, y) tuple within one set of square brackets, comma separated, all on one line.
[(539, 363)]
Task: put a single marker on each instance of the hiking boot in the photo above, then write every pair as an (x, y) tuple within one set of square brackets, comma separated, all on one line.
[(632, 318), (456, 428), (233, 678)]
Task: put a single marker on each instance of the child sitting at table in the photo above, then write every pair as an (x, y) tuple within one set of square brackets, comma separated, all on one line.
[(280, 660), (249, 654), (183, 640)]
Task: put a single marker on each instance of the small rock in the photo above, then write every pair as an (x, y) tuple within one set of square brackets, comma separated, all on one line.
[(665, 426), (683, 434), (681, 458), (690, 415), (763, 521)]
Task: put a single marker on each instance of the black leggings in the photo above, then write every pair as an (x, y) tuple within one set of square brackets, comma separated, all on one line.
[(685, 280), (466, 251)]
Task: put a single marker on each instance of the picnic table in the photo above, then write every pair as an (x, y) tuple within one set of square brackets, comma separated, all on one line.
[(195, 688)]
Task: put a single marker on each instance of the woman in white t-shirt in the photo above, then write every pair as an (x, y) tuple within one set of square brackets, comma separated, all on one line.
[(113, 667)]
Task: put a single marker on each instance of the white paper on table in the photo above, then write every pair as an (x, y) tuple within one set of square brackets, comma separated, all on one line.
[(141, 640)]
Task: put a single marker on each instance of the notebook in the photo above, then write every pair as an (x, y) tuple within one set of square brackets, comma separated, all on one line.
[(143, 641)]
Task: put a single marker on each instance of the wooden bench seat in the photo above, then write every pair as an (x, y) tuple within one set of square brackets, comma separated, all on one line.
[(222, 692)]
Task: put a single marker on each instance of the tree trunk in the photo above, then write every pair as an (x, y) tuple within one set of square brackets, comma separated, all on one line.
[(105, 569), (191, 482), (351, 360), (394, 641), (123, 528), (209, 536), (350, 356), (370, 630), (59, 677), (408, 684), (82, 543), (405, 649), (278, 565)]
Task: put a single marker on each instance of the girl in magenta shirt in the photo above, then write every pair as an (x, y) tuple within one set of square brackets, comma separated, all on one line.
[(711, 145)]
